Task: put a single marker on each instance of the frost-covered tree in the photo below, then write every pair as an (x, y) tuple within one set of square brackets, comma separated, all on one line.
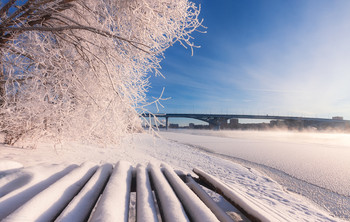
[(78, 69)]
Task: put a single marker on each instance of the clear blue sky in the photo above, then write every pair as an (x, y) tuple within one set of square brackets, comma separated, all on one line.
[(276, 57)]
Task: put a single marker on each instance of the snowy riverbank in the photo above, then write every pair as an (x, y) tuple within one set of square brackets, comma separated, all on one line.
[(142, 148)]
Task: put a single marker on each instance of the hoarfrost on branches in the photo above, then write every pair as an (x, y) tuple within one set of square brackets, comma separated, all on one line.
[(78, 69)]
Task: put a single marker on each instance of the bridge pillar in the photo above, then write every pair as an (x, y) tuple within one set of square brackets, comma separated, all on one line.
[(219, 123), (166, 122)]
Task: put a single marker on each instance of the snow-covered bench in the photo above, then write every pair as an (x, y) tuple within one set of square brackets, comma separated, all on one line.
[(107, 193)]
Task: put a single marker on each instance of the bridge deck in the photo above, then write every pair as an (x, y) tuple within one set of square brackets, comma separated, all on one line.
[(240, 116)]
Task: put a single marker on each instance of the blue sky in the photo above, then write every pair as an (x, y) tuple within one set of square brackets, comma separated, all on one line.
[(276, 57)]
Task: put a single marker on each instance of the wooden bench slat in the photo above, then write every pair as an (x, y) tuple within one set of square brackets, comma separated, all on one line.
[(16, 198), (250, 209), (75, 195), (114, 202), (55, 198), (145, 206), (219, 213), (169, 205), (80, 207), (195, 208)]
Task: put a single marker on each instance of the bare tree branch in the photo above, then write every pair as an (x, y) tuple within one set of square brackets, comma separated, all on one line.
[(72, 27), (6, 7)]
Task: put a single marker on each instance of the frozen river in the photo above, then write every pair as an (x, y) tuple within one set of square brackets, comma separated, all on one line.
[(316, 165)]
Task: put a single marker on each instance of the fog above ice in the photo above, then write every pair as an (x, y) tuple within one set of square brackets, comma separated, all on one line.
[(325, 138)]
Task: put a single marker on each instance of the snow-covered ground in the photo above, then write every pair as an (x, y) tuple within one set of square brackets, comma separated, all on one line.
[(142, 148)]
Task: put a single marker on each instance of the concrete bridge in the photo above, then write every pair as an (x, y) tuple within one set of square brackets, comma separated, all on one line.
[(217, 120)]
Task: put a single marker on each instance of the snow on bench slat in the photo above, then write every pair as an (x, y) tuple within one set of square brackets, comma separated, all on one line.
[(146, 210), (196, 209), (219, 213), (14, 181), (247, 203), (50, 202), (170, 206), (114, 203), (40, 178), (80, 207)]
